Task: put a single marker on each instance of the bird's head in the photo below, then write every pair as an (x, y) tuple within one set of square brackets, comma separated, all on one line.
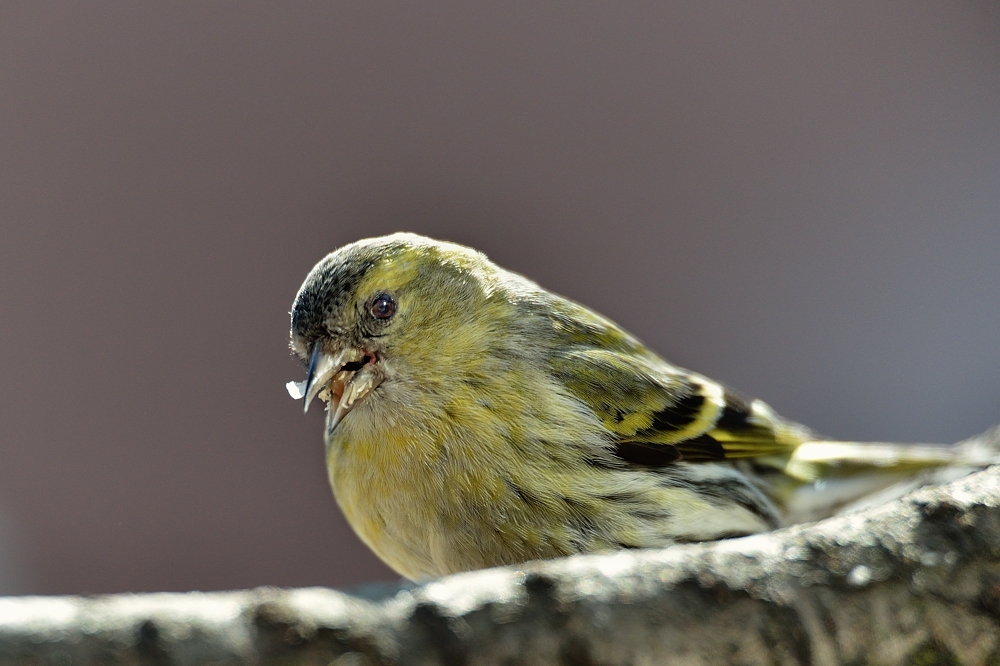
[(400, 312)]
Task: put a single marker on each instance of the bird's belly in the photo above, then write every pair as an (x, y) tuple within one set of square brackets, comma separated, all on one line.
[(395, 520), (428, 518), (424, 519)]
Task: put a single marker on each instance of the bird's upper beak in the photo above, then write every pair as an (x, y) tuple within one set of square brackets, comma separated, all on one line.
[(342, 378)]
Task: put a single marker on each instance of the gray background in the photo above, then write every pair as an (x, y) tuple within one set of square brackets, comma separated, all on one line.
[(799, 199)]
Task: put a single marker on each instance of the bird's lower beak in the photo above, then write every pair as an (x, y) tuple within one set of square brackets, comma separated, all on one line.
[(341, 379)]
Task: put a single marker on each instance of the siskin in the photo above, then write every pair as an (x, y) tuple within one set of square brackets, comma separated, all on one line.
[(475, 419)]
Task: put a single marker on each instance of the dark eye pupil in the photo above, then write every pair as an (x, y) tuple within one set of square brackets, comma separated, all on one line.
[(383, 307)]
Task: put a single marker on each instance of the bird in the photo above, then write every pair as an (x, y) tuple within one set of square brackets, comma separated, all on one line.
[(475, 419)]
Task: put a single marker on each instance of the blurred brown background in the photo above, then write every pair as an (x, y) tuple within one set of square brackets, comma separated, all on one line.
[(800, 199)]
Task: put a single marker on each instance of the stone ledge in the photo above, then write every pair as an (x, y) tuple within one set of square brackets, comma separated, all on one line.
[(916, 580)]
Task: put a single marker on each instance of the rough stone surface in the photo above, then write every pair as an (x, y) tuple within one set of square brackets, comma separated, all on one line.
[(916, 581)]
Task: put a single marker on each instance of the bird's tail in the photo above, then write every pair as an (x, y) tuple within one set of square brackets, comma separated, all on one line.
[(827, 477)]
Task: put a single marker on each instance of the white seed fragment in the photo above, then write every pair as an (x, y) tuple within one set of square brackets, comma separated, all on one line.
[(296, 389)]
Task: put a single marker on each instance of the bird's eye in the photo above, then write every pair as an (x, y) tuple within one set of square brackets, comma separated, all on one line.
[(383, 307)]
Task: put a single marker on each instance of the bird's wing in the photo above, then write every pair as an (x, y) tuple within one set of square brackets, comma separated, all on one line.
[(658, 414)]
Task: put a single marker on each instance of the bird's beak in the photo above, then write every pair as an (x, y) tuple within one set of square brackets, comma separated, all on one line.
[(347, 376), (322, 367)]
